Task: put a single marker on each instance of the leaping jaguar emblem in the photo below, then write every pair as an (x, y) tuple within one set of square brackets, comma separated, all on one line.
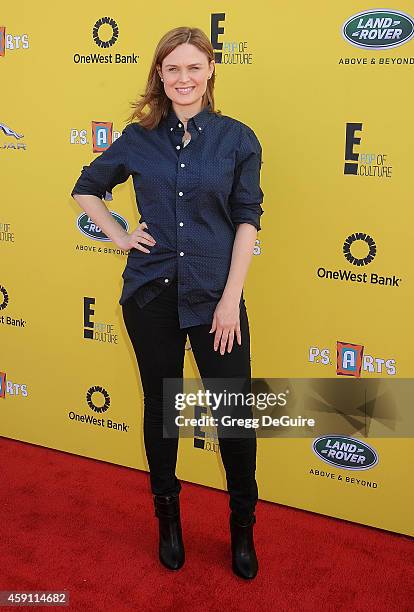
[(9, 132)]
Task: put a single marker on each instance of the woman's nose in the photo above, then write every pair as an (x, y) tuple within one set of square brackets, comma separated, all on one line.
[(184, 77)]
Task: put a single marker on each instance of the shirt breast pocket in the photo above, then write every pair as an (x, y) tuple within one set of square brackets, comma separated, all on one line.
[(217, 176)]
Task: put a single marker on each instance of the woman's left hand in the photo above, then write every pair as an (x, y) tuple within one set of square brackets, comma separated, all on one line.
[(226, 323)]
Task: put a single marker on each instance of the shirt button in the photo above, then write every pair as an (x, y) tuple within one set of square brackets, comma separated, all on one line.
[(180, 193), (166, 280), (182, 165), (181, 253), (181, 223), (178, 147)]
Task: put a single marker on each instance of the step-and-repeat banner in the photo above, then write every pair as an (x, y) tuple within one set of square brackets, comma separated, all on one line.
[(328, 89)]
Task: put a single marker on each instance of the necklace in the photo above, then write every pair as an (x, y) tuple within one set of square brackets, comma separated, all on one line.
[(186, 137)]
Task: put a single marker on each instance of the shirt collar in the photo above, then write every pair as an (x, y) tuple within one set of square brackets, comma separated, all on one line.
[(199, 120)]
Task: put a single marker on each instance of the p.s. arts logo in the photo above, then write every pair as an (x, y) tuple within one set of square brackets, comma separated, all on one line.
[(98, 331), (359, 249), (378, 29), (228, 51), (351, 360), (105, 34), (13, 139), (98, 401), (9, 389), (365, 164), (12, 42), (345, 452), (102, 136)]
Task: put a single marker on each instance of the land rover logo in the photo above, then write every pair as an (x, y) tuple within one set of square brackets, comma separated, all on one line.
[(90, 229), (378, 29), (345, 452)]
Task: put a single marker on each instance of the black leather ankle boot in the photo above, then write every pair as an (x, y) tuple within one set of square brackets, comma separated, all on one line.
[(171, 547), (244, 560)]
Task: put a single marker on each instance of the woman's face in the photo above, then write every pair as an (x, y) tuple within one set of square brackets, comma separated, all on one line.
[(185, 72)]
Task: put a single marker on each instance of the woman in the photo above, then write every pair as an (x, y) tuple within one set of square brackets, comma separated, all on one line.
[(196, 175)]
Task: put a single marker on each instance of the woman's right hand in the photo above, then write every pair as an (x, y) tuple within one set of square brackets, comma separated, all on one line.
[(136, 239)]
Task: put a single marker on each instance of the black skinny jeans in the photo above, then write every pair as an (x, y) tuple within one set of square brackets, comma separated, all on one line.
[(159, 346)]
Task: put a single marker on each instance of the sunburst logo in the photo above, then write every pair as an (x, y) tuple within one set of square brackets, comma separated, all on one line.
[(106, 399), (102, 25), (4, 297), (359, 237)]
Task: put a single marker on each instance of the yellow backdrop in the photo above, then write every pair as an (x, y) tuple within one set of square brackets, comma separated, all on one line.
[(329, 96)]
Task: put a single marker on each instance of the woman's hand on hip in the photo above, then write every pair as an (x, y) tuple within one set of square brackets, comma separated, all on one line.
[(226, 324), (137, 238)]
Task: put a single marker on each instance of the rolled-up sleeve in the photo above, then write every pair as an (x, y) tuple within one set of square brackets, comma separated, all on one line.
[(246, 196), (106, 171)]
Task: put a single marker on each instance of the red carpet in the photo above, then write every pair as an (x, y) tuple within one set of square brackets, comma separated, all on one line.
[(88, 527)]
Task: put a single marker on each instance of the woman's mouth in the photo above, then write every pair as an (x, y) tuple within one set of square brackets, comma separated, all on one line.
[(184, 90)]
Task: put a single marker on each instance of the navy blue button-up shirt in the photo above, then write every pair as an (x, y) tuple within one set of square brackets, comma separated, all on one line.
[(191, 199)]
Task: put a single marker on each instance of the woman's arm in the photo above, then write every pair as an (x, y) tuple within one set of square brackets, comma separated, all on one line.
[(226, 319), (243, 246), (98, 212), (245, 205), (100, 215)]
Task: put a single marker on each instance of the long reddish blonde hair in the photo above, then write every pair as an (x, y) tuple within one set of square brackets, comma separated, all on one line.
[(155, 98)]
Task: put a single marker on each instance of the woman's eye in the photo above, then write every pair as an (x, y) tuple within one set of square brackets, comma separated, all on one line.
[(194, 68)]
